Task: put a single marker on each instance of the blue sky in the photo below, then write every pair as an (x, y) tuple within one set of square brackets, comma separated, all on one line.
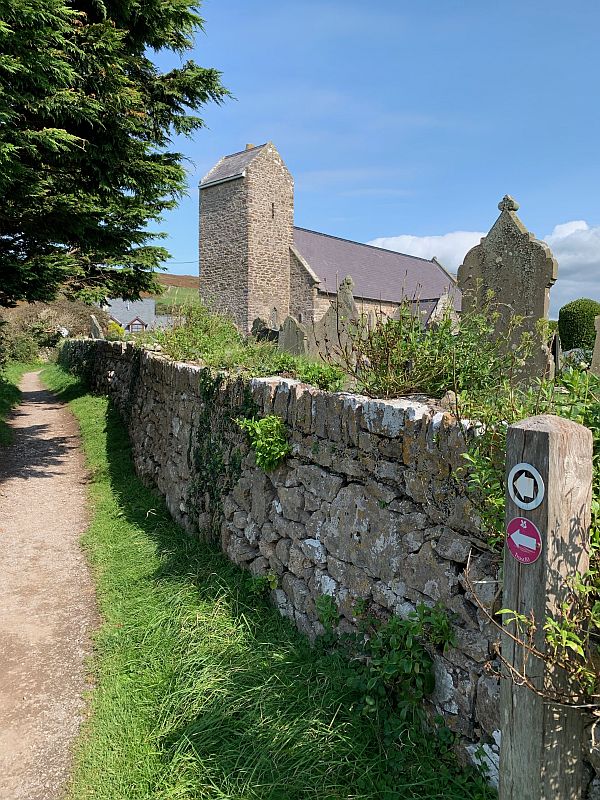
[(405, 123)]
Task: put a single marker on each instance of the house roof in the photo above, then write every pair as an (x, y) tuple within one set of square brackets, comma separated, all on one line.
[(125, 311), (378, 274), (231, 167)]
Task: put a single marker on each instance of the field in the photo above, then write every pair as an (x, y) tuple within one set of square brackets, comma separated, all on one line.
[(180, 290)]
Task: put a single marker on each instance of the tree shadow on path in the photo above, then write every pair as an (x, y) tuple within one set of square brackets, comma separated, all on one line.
[(39, 449)]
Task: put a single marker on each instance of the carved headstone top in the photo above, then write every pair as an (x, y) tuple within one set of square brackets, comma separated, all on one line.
[(518, 270), (262, 332), (329, 337), (508, 204)]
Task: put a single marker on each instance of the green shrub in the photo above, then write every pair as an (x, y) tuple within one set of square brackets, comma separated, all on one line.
[(22, 347), (268, 439), (399, 356), (115, 332), (576, 323)]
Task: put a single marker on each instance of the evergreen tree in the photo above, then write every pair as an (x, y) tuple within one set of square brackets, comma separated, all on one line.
[(85, 125)]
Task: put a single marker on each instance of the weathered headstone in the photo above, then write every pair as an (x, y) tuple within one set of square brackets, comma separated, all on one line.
[(518, 270), (330, 337), (292, 337), (556, 350), (595, 366), (262, 332), (95, 329), (443, 308)]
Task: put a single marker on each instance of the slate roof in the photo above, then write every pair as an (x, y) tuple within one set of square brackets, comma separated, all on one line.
[(124, 311), (231, 166), (378, 274)]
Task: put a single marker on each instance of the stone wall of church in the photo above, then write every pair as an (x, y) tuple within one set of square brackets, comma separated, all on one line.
[(270, 206), (224, 248), (323, 302), (303, 292)]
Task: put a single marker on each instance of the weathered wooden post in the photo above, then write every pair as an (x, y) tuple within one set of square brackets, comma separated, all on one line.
[(549, 479)]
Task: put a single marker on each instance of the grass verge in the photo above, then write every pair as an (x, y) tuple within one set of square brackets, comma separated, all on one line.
[(10, 396), (202, 690)]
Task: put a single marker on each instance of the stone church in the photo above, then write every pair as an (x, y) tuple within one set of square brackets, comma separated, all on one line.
[(255, 263)]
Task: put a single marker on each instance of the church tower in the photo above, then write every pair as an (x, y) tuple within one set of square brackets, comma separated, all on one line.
[(246, 231)]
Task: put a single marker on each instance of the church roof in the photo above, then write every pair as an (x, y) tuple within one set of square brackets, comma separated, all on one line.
[(231, 167), (378, 274)]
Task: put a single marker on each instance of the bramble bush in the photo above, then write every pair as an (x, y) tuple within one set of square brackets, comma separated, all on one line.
[(399, 356), (573, 636)]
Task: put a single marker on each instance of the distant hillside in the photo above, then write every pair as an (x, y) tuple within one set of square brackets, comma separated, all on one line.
[(185, 281), (180, 290)]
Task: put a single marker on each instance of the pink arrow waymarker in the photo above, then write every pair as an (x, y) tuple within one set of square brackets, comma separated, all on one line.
[(523, 540)]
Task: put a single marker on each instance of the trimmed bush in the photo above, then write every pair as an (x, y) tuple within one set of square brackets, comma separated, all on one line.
[(576, 323)]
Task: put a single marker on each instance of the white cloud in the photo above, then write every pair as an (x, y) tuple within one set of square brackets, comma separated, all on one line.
[(575, 245), (449, 248)]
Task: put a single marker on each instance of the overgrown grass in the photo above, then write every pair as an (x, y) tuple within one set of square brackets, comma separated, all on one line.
[(204, 691), (213, 339), (10, 396), (173, 297)]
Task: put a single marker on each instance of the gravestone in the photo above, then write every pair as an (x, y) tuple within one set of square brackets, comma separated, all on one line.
[(443, 309), (292, 337), (595, 366), (262, 332), (556, 350), (95, 329), (519, 270), (331, 337)]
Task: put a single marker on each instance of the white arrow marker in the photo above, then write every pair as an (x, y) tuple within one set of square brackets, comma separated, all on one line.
[(524, 541), (525, 486)]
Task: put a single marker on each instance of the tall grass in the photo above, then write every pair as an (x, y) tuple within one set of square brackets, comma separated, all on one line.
[(202, 335), (202, 691)]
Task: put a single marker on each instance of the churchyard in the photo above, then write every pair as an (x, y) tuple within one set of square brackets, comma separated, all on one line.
[(418, 500), (390, 518)]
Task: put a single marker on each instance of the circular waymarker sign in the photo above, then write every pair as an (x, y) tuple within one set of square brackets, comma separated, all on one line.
[(526, 486), (523, 540)]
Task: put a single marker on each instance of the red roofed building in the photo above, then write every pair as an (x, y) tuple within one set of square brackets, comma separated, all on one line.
[(255, 263)]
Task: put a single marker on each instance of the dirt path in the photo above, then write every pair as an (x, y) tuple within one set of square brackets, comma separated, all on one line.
[(47, 605)]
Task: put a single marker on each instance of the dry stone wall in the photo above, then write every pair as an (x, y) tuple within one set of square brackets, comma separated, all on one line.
[(368, 505)]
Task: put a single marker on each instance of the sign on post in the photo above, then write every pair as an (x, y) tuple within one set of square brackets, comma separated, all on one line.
[(549, 480)]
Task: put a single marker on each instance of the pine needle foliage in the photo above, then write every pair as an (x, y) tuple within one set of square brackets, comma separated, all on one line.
[(86, 120)]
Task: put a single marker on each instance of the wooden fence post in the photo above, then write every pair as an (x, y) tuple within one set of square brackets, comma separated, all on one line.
[(549, 479)]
